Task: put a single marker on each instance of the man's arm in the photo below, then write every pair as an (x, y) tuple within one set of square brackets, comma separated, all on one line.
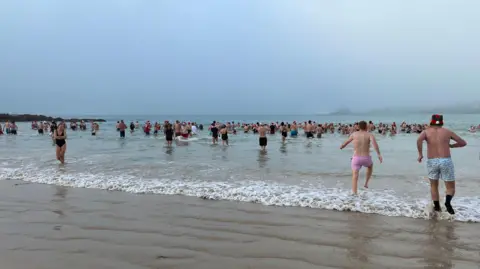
[(375, 144), (422, 137), (350, 139), (459, 141)]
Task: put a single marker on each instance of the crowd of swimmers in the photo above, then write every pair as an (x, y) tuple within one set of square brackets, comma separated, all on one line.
[(361, 134)]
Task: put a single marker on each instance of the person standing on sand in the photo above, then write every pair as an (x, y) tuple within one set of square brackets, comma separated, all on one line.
[(361, 154), (439, 162)]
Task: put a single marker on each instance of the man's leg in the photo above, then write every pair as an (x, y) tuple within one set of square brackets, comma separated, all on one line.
[(448, 175), (355, 180), (434, 193), (434, 175), (368, 175), (450, 186)]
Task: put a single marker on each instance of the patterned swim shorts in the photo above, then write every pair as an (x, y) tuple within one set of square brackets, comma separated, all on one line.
[(441, 168)]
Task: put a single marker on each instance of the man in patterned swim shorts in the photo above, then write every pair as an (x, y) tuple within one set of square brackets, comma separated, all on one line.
[(439, 162)]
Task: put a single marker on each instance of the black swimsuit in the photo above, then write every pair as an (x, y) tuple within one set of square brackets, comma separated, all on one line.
[(224, 137), (169, 134), (60, 142)]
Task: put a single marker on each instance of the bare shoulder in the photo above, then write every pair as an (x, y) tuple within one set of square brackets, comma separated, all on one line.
[(447, 130)]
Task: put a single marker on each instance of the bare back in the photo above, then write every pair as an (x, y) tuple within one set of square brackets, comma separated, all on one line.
[(438, 142), (361, 143), (262, 132)]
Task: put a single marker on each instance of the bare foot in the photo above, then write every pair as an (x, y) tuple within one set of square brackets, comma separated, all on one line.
[(366, 185)]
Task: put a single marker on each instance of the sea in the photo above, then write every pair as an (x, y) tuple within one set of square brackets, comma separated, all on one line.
[(301, 173)]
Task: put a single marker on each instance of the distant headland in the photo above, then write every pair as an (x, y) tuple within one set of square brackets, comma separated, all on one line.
[(343, 111), (31, 117), (469, 108)]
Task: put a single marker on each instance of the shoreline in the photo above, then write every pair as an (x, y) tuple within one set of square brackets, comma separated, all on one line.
[(60, 227)]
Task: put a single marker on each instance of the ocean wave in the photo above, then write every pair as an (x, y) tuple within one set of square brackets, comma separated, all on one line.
[(382, 202)]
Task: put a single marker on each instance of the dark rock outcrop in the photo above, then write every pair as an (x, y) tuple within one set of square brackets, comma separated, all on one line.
[(30, 117)]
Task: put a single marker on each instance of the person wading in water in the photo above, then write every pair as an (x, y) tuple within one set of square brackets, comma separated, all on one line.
[(262, 139), (361, 154), (60, 137), (439, 162)]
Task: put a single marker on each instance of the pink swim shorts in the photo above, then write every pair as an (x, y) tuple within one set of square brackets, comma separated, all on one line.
[(359, 161)]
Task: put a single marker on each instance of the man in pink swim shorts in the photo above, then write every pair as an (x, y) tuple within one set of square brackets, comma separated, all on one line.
[(361, 156)]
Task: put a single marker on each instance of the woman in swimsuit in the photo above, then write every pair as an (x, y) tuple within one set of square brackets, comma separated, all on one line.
[(224, 133), (283, 130), (169, 134), (60, 137)]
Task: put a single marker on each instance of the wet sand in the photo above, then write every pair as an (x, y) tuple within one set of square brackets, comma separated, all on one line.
[(43, 226)]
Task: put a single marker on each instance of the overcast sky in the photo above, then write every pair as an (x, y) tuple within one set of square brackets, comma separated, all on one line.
[(235, 56)]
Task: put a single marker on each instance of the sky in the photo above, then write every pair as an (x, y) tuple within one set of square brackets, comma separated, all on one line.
[(109, 57)]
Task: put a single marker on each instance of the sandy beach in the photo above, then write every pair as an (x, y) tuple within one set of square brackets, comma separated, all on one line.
[(44, 226)]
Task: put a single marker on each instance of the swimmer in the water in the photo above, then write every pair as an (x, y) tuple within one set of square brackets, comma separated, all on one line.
[(224, 134), (178, 128), (121, 128), (439, 162), (284, 131), (262, 137), (40, 128), (319, 130), (132, 127), (294, 129), (272, 128), (214, 131), (361, 154), (168, 133), (60, 136), (309, 129)]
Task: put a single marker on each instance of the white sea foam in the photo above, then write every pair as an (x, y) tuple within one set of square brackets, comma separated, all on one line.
[(267, 193)]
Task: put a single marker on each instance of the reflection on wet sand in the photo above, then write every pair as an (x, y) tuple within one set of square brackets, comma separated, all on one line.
[(441, 244), (106, 230), (59, 200), (360, 236)]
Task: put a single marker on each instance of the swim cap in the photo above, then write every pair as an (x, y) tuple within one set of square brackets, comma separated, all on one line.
[(437, 120)]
